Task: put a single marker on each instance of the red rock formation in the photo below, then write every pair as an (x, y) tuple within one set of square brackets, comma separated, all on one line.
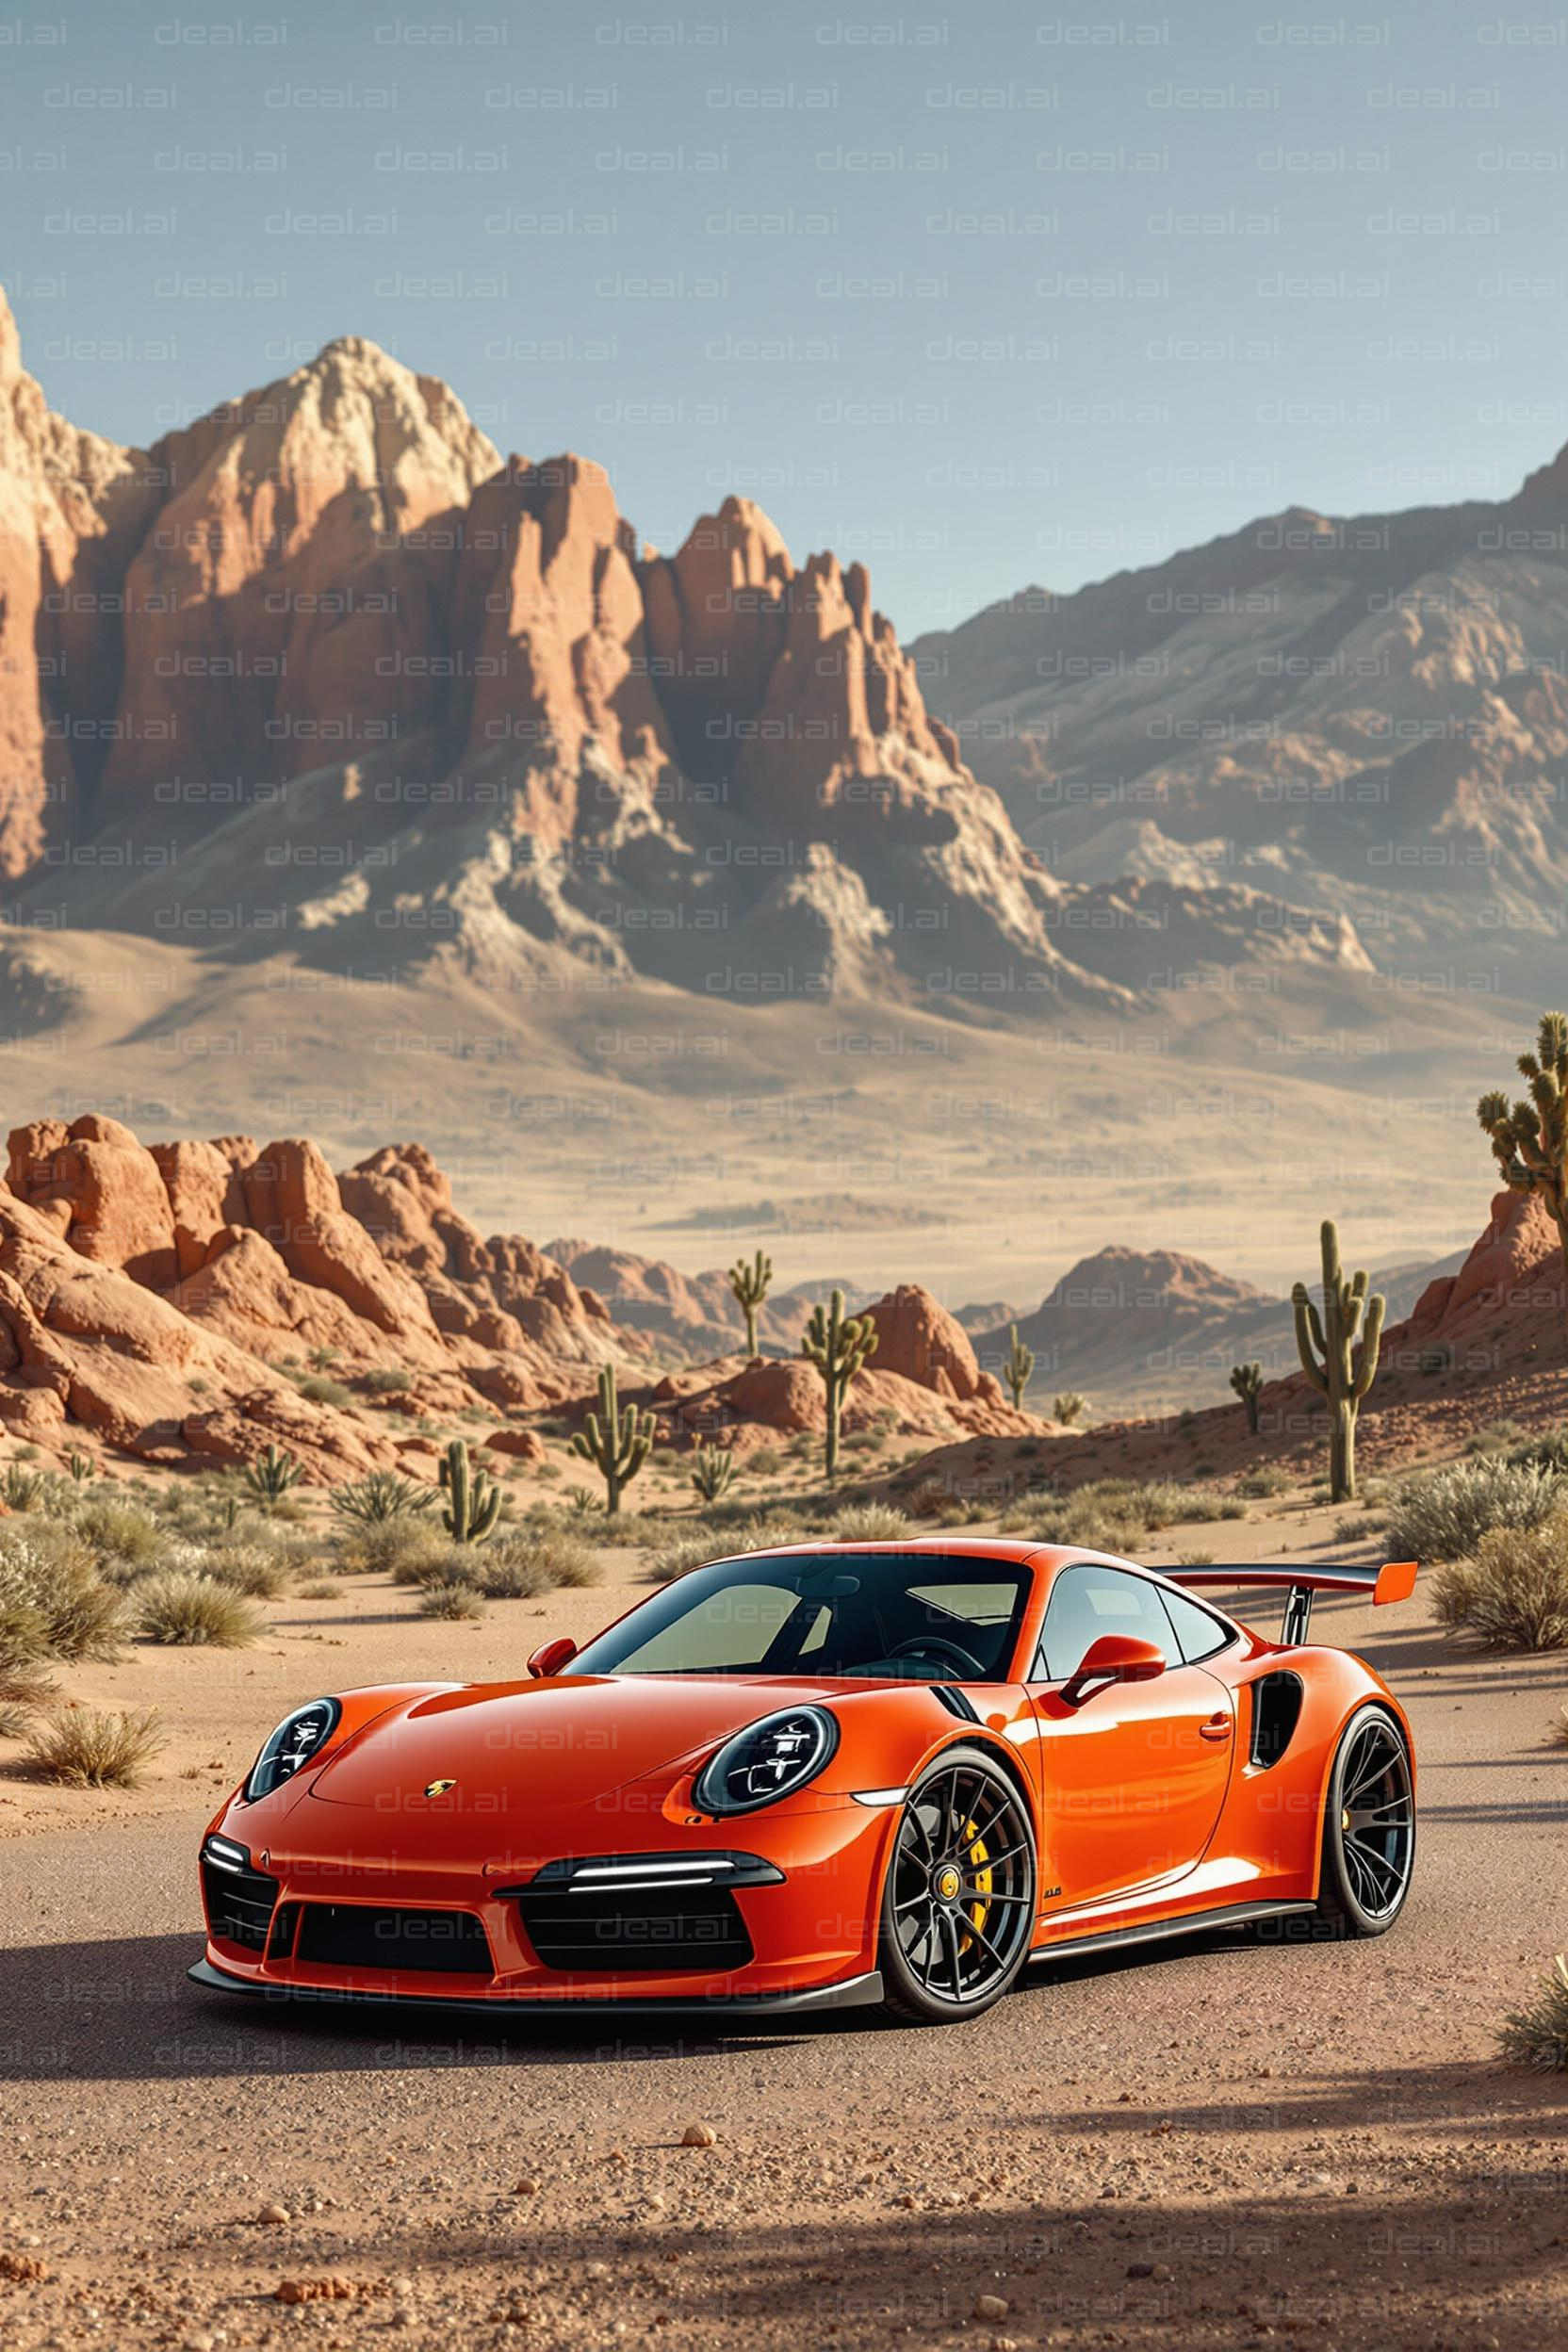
[(922, 1342), (228, 1261), (1504, 1308)]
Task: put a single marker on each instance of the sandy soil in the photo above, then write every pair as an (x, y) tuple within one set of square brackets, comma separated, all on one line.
[(1206, 2146)]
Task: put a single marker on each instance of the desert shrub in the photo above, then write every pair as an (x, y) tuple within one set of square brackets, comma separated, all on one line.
[(1444, 1515), (1107, 1515), (1514, 1594), (21, 1489), (96, 1748), (253, 1569), (1195, 1559), (1496, 1437), (1538, 2036), (386, 1380), (185, 1610), (507, 1574), (1264, 1481), (53, 1602), (122, 1537), (372, 1501), (1230, 1507), (21, 1696), (391, 1546), (452, 1596), (628, 1529), (1547, 1452), (322, 1390), (766, 1461), (321, 1589), (868, 1523)]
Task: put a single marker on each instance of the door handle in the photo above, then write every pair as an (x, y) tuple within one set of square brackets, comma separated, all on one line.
[(1217, 1727)]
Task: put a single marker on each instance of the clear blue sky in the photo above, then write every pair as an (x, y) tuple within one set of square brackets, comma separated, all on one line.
[(982, 294)]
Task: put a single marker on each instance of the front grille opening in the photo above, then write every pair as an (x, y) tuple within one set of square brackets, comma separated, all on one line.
[(364, 1935), (635, 1932), (1276, 1712), (239, 1905)]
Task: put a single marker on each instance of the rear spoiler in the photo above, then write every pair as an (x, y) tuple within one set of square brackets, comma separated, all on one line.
[(1394, 1582)]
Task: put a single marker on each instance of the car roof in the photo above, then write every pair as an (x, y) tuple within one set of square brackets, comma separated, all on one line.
[(943, 1546)]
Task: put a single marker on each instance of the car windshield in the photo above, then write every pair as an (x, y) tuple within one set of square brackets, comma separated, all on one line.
[(914, 1616)]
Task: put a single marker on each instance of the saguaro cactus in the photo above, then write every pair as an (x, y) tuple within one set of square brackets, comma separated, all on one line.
[(617, 1443), (1017, 1366), (1327, 1346), (838, 1345), (751, 1284), (473, 1504), (713, 1468), (1529, 1141), (271, 1474), (1247, 1379)]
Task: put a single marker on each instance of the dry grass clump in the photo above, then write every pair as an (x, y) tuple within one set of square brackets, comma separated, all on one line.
[(93, 1747), (452, 1596), (1446, 1514), (189, 1611), (1538, 2036), (257, 1570), (53, 1603), (1513, 1595), (125, 1540), (868, 1523), (1108, 1514), (402, 1548), (520, 1567), (21, 1696)]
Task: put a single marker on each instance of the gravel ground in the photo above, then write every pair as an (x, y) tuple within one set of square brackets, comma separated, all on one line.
[(1208, 2145)]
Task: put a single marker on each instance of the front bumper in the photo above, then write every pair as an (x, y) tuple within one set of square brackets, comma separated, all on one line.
[(856, 1992), (453, 1929)]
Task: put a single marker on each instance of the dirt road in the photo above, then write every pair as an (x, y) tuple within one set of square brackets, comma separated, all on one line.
[(1203, 2145)]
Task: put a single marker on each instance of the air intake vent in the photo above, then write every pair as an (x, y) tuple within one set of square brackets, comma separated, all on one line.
[(1276, 1712), (636, 1932), (364, 1936), (239, 1899), (956, 1701)]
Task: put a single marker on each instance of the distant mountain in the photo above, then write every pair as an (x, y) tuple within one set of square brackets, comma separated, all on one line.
[(1147, 1331), (1364, 717)]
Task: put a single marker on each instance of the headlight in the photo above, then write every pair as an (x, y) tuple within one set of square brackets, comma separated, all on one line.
[(770, 1759), (296, 1739)]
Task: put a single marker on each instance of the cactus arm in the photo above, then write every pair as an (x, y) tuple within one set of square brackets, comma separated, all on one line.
[(1310, 1342), (1370, 1346)]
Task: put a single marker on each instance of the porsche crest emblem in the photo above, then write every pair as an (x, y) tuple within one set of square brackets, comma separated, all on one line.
[(438, 1788)]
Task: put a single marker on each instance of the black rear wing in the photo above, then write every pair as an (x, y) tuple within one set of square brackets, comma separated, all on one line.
[(1394, 1582)]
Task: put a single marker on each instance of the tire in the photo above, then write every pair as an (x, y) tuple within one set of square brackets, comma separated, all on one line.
[(959, 1903), (1369, 1846)]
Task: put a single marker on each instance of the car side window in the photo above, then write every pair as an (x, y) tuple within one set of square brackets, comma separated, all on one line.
[(1199, 1633), (1088, 1601)]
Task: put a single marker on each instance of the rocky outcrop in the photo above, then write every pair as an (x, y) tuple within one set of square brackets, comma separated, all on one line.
[(1502, 1312), (230, 1261), (922, 1342)]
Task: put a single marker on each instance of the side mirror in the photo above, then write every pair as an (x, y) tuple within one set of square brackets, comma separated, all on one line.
[(553, 1659), (1114, 1658)]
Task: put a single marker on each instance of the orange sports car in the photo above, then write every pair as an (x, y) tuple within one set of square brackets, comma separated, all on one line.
[(824, 1777)]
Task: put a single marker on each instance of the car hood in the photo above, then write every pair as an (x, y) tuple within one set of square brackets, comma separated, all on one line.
[(559, 1743)]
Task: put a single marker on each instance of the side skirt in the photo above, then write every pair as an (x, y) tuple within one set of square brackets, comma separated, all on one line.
[(1154, 1931)]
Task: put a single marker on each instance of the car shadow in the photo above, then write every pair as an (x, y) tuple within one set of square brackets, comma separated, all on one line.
[(123, 2010)]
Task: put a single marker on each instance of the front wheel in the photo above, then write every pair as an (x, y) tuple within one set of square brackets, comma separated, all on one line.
[(958, 1906), (1368, 1826)]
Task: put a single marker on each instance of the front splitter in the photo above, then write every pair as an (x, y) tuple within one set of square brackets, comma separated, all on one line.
[(856, 1992)]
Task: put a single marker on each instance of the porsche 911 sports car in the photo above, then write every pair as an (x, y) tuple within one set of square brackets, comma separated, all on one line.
[(825, 1776)]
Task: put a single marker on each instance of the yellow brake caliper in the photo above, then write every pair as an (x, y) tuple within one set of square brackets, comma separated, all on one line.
[(978, 1912)]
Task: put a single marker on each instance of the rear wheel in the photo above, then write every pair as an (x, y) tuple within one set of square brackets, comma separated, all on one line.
[(958, 1905), (1368, 1826)]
